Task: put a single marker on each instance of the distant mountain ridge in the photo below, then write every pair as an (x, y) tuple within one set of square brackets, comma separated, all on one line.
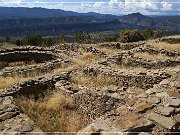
[(158, 22), (138, 19), (20, 21), (23, 12)]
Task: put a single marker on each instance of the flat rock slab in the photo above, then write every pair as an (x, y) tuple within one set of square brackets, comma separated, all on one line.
[(151, 91), (144, 126), (21, 124), (166, 111), (162, 94), (100, 128), (165, 122), (154, 100), (174, 102)]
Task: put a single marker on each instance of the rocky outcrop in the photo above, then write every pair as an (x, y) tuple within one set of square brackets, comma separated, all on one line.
[(14, 122), (144, 114)]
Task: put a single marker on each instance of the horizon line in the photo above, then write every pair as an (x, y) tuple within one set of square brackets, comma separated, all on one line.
[(91, 12)]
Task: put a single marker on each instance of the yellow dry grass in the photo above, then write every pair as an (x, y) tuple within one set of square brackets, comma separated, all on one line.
[(166, 46), (95, 81), (128, 119), (8, 81), (85, 59), (150, 56), (54, 113), (174, 36), (80, 62), (88, 56), (57, 101)]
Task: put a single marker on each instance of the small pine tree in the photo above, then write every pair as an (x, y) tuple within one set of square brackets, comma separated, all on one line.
[(148, 34)]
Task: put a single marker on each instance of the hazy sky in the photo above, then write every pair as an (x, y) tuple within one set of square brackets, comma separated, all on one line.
[(151, 7)]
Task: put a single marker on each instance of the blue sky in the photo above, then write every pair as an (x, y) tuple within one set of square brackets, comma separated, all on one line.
[(148, 7)]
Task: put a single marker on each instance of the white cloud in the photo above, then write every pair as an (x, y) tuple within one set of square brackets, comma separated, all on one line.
[(166, 6), (12, 1), (98, 5), (112, 6), (144, 6), (95, 7)]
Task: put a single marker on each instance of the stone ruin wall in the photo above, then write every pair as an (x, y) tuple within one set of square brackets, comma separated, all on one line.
[(45, 60), (100, 103)]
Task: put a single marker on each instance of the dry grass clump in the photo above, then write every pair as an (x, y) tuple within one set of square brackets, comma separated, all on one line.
[(166, 46), (80, 62), (95, 81), (128, 119), (88, 56), (8, 81), (84, 59), (54, 113), (151, 57), (57, 101)]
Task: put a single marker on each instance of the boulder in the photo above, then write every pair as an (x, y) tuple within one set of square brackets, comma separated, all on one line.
[(142, 107), (174, 102), (165, 122), (26, 127)]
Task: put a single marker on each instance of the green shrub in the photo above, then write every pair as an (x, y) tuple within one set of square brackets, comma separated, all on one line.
[(131, 36), (7, 39), (159, 34), (82, 37), (19, 42), (47, 41), (148, 34), (33, 39)]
